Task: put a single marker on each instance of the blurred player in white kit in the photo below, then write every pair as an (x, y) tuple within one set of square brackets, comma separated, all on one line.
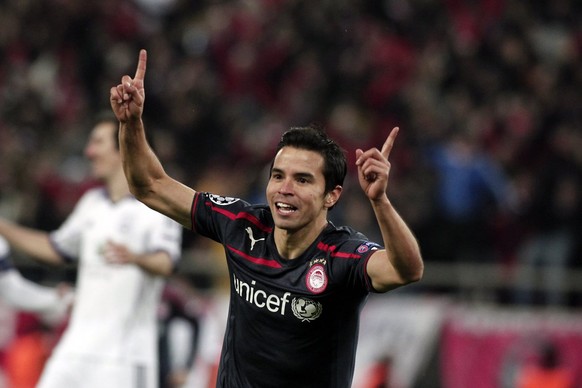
[(124, 252)]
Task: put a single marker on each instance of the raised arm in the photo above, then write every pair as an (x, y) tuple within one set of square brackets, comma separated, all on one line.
[(145, 175), (401, 262)]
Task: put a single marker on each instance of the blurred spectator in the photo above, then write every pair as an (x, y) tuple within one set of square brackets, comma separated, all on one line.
[(553, 216), (470, 189), (547, 371), (179, 314)]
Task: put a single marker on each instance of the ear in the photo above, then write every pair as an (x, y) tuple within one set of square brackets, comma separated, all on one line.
[(332, 197)]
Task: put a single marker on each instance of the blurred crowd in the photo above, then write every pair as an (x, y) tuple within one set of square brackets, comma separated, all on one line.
[(487, 167)]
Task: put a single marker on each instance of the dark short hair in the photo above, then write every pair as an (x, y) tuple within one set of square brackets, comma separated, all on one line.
[(314, 138)]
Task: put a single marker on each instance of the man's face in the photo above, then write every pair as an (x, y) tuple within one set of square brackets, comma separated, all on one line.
[(102, 152), (296, 188)]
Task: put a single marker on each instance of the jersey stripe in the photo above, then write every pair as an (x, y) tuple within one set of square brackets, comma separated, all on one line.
[(342, 255), (256, 260), (345, 255), (241, 215)]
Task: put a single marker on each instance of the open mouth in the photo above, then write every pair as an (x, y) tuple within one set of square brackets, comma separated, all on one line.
[(285, 208)]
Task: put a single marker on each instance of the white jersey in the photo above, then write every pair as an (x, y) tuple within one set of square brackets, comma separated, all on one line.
[(114, 315)]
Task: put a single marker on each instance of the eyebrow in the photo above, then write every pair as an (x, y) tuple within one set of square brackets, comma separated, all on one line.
[(297, 175)]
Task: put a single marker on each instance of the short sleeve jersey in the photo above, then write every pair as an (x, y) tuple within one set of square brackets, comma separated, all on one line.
[(291, 323), (114, 317)]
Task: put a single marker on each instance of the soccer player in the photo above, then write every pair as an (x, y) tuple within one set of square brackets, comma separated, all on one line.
[(298, 282), (124, 251)]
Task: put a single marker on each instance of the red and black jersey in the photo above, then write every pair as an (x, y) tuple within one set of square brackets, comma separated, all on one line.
[(291, 323)]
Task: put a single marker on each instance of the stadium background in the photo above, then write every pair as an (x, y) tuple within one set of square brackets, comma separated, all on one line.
[(487, 169)]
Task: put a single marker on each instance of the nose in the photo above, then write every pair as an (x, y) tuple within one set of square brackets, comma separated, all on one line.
[(286, 186), (89, 151)]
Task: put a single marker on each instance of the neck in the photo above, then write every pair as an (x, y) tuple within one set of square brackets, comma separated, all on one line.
[(292, 244), (117, 187)]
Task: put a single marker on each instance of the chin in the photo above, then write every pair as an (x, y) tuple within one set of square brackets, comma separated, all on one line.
[(287, 225), (281, 223)]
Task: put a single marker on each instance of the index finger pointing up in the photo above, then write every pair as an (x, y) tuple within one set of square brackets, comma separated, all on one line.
[(387, 147), (141, 65)]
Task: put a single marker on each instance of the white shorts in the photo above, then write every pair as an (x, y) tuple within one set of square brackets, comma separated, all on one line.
[(93, 373)]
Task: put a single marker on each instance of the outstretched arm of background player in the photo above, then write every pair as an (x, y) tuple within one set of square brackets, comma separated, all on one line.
[(400, 262), (145, 174), (34, 243)]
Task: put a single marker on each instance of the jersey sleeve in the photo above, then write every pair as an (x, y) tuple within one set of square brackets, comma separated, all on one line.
[(165, 235), (351, 258), (211, 214)]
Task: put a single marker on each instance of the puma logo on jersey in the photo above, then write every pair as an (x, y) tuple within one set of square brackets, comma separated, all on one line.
[(252, 238)]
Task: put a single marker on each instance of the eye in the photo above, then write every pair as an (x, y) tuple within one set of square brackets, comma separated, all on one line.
[(302, 180)]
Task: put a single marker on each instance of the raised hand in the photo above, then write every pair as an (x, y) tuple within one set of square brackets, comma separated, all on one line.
[(374, 168), (127, 99)]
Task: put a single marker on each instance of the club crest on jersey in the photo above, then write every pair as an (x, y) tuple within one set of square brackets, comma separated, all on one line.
[(316, 278), (220, 200), (365, 247), (306, 309)]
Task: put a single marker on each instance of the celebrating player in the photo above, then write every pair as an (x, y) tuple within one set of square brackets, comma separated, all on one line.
[(298, 282)]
